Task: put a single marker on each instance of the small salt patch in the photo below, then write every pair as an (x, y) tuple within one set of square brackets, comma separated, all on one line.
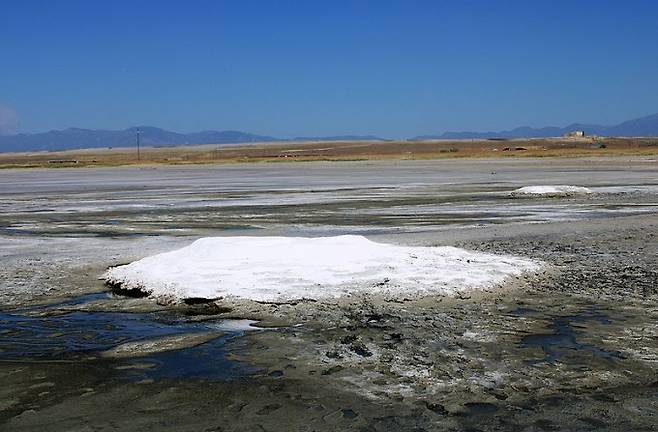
[(551, 191)]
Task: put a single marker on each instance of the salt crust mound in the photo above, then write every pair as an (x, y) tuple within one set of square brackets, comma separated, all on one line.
[(551, 191), (275, 269)]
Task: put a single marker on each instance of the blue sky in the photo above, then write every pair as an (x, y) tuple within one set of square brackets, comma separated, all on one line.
[(290, 68)]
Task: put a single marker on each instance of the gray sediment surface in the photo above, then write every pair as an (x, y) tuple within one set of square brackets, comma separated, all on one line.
[(572, 348), (166, 343)]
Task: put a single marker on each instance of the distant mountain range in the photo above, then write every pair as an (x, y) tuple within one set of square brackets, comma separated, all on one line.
[(75, 138), (641, 127)]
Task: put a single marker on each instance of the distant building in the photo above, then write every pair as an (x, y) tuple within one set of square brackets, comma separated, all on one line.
[(575, 134)]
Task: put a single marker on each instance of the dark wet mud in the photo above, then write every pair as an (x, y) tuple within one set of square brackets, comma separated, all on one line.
[(561, 343)]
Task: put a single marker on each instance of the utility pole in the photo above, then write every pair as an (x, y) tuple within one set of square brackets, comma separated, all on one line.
[(138, 155)]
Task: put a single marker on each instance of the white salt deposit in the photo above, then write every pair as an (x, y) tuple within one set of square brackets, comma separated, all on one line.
[(290, 268), (551, 191)]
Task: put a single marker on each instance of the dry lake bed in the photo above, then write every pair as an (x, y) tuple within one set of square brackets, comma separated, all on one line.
[(573, 346)]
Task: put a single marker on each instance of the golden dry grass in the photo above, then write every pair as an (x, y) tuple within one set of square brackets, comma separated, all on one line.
[(336, 151)]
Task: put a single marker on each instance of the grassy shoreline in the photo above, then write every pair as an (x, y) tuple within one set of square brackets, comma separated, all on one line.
[(335, 152)]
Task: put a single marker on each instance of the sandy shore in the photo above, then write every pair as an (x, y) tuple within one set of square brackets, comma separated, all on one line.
[(573, 347)]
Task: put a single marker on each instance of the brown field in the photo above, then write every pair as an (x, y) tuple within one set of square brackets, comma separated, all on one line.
[(336, 150)]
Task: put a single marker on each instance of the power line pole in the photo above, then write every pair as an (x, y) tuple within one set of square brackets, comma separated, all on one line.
[(138, 155)]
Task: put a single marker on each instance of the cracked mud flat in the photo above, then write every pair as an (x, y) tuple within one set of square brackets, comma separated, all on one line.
[(574, 348)]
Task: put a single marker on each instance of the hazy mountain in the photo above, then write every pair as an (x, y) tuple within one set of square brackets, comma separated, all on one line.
[(645, 126), (75, 138)]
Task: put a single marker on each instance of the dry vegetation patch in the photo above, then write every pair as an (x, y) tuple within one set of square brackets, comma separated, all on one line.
[(335, 150)]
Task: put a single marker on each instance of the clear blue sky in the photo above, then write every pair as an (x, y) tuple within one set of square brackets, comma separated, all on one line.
[(288, 68)]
